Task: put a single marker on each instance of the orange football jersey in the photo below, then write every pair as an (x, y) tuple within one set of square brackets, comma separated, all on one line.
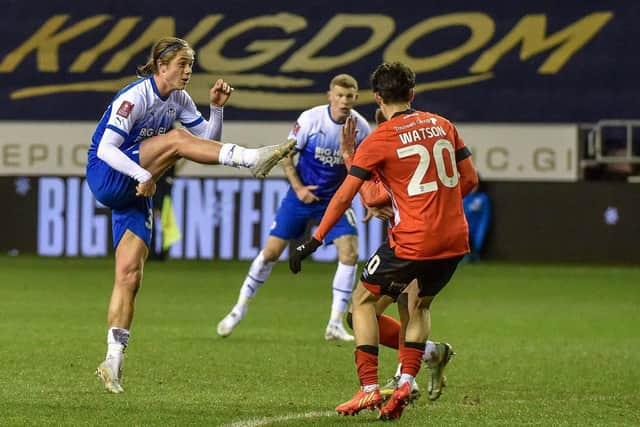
[(415, 155), (372, 192)]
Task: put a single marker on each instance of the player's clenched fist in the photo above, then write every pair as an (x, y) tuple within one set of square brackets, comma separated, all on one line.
[(146, 189), (220, 93)]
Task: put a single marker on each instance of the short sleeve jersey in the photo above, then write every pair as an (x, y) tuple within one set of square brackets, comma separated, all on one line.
[(415, 155), (318, 143), (138, 112)]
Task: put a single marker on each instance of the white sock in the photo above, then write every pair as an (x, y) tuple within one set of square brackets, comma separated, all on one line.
[(406, 378), (237, 156), (370, 387), (117, 341), (430, 352), (342, 288), (259, 272)]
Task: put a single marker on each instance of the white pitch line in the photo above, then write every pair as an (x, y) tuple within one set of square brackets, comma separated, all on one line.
[(256, 422)]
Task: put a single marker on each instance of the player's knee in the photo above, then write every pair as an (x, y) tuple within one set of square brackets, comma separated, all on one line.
[(177, 137), (178, 134), (270, 255), (348, 257), (362, 296), (129, 277), (273, 249)]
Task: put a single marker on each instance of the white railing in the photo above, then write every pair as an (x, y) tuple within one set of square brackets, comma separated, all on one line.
[(598, 150)]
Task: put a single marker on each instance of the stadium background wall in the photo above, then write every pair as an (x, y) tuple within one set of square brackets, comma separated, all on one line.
[(498, 61), (227, 218), (547, 67)]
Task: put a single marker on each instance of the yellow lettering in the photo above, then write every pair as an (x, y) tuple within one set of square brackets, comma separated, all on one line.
[(115, 36), (59, 156), (481, 26), (494, 163), (123, 28), (544, 159), (212, 60), (161, 27), (46, 43), (37, 153), (11, 155), (79, 155), (201, 29), (303, 59), (530, 31)]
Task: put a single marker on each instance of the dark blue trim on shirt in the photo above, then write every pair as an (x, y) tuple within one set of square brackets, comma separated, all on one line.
[(329, 113), (118, 131), (155, 89), (196, 122)]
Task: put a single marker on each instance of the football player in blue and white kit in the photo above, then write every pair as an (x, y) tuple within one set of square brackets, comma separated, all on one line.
[(317, 176), (132, 147)]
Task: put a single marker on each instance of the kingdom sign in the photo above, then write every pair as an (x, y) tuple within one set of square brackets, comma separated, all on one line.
[(283, 61)]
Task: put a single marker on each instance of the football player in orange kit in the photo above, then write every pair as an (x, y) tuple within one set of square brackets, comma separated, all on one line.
[(378, 203), (427, 170)]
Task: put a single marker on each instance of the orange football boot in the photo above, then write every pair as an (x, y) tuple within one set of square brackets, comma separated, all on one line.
[(360, 401), (397, 402)]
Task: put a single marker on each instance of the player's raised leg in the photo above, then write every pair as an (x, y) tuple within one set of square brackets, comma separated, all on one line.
[(158, 153)]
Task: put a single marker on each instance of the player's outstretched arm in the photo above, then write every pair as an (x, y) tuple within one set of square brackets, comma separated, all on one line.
[(372, 192), (339, 203)]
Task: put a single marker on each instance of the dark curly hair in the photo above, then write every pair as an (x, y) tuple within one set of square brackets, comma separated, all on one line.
[(393, 82)]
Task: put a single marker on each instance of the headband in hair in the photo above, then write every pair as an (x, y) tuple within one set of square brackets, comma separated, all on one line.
[(173, 46)]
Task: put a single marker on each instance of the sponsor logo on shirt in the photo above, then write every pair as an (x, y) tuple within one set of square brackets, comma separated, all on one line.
[(328, 156), (296, 128), (125, 109), (149, 132)]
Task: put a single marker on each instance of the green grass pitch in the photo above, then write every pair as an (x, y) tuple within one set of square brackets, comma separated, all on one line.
[(536, 345)]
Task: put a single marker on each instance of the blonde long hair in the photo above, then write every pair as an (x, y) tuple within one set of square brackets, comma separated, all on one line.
[(164, 51)]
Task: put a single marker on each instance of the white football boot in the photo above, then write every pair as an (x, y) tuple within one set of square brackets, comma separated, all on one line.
[(337, 332), (231, 320), (268, 157), (437, 379), (110, 376)]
